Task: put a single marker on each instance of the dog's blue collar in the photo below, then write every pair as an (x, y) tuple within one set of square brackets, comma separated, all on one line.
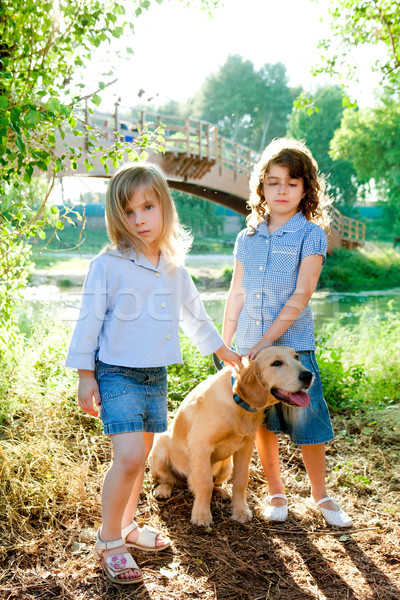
[(240, 402)]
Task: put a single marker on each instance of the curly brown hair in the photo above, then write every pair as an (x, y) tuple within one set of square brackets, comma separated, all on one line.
[(294, 155)]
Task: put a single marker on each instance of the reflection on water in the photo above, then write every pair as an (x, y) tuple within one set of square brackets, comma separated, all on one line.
[(49, 302), (325, 305)]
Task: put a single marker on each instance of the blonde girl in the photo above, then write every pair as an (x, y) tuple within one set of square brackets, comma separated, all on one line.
[(136, 294), (278, 260)]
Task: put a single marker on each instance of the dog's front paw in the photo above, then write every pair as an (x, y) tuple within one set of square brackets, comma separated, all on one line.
[(243, 515), (164, 490), (201, 517)]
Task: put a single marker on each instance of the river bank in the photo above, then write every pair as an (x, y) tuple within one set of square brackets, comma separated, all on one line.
[(375, 267)]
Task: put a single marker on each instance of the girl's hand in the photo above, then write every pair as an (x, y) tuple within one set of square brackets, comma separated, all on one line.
[(88, 390), (229, 356), (252, 353)]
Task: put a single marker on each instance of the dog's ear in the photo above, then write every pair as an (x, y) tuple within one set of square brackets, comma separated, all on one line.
[(249, 386)]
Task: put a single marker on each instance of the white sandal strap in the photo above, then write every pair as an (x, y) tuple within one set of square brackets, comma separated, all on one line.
[(323, 500), (277, 496), (147, 537), (125, 531), (100, 545)]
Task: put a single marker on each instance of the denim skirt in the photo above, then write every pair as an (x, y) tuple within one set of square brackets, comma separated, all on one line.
[(132, 399), (306, 425)]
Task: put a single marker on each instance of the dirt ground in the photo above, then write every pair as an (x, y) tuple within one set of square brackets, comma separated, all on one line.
[(301, 559)]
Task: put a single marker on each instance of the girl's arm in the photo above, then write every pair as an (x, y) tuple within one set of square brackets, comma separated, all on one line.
[(199, 327), (94, 302), (88, 390), (309, 272), (234, 304)]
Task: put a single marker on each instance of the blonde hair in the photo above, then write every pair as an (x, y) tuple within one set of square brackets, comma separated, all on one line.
[(294, 155), (174, 241)]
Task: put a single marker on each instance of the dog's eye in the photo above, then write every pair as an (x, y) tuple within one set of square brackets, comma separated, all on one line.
[(277, 363), (297, 356)]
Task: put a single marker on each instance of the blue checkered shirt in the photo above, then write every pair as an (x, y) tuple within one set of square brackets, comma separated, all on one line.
[(271, 265)]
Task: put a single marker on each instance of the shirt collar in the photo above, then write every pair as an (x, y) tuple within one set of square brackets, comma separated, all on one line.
[(294, 224), (137, 258)]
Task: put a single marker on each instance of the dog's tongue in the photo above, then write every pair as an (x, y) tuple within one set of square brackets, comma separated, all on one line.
[(299, 398)]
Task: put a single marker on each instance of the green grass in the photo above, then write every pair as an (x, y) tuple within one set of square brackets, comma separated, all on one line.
[(366, 269), (359, 363), (75, 239), (57, 263)]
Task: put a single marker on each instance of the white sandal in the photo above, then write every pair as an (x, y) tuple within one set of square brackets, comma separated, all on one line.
[(146, 540), (116, 564), (337, 518), (276, 513)]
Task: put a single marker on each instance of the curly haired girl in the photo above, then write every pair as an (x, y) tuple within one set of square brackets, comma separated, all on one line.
[(278, 261)]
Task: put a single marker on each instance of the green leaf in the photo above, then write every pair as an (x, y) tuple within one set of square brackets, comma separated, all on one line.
[(42, 165), (96, 99), (60, 225), (53, 105), (14, 120), (29, 170), (3, 102), (32, 118), (20, 143)]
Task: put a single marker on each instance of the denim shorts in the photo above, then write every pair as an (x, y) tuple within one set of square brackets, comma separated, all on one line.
[(306, 425), (132, 399)]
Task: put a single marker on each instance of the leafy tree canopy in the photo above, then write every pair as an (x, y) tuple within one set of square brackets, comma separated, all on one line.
[(369, 139), (197, 214), (364, 22), (249, 106), (43, 46), (318, 129)]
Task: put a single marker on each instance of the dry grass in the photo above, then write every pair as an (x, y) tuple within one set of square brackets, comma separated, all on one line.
[(50, 508)]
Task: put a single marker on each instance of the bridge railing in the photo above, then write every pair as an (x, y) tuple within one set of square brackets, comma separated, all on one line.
[(351, 231), (200, 140), (183, 135)]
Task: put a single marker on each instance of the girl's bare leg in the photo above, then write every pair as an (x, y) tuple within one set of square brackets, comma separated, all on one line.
[(268, 451), (132, 503), (314, 460), (128, 464)]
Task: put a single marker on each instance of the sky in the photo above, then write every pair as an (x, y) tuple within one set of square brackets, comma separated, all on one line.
[(177, 47)]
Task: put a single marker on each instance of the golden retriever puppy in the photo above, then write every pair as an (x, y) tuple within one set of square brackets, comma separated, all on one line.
[(217, 421)]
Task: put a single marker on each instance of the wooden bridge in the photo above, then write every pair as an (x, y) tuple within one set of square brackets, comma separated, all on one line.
[(199, 161)]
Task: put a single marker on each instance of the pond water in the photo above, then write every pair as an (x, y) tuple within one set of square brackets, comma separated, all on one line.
[(50, 302), (325, 305)]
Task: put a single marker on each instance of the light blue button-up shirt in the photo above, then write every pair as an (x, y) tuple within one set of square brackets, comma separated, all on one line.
[(271, 266), (131, 312)]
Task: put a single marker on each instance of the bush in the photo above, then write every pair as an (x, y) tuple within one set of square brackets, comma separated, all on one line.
[(359, 362), (183, 378), (353, 270)]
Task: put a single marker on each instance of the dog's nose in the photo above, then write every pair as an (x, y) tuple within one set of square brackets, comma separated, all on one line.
[(305, 377)]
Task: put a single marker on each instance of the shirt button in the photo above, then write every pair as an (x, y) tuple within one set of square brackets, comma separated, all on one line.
[(258, 296), (163, 304), (257, 322), (158, 274), (261, 268), (168, 336)]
